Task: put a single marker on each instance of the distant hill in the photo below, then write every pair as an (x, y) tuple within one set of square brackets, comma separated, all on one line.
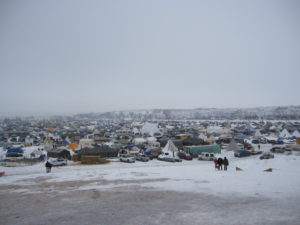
[(270, 113)]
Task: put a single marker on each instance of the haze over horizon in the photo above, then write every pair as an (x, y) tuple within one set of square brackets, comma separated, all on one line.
[(68, 57)]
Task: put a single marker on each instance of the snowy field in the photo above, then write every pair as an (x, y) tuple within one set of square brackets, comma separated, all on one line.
[(155, 192)]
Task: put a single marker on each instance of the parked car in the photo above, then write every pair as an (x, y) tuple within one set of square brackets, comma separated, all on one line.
[(58, 162), (126, 158), (206, 156), (248, 146), (142, 158), (277, 150), (183, 155), (167, 158), (267, 155), (242, 153)]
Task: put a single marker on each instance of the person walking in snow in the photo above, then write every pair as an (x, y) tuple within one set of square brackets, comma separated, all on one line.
[(48, 167), (226, 163), (220, 163), (258, 147)]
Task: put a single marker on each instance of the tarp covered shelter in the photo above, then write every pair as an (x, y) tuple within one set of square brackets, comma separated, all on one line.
[(102, 151), (59, 153), (14, 152)]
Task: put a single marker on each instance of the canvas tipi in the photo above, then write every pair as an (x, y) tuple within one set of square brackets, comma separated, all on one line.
[(233, 146), (170, 149)]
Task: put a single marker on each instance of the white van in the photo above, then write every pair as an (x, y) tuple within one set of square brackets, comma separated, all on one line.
[(206, 156)]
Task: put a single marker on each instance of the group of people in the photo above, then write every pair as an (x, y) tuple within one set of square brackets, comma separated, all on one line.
[(219, 163)]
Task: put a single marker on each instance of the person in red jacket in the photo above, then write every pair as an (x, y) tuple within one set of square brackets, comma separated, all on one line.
[(216, 164)]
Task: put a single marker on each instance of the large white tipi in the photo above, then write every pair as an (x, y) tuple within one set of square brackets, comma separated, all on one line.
[(284, 134), (170, 149)]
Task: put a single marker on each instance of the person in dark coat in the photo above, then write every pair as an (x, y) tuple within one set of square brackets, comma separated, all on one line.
[(220, 162), (226, 163), (48, 167)]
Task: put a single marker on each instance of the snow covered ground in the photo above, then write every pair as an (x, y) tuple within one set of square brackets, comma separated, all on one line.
[(197, 178), (188, 176)]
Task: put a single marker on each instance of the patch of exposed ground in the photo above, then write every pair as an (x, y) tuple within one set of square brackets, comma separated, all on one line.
[(41, 184)]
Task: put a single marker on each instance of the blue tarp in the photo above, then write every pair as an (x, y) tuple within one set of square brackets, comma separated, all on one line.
[(65, 143), (15, 150)]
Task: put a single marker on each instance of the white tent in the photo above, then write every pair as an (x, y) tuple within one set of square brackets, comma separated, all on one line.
[(284, 134), (170, 149), (214, 129), (203, 137), (296, 134), (150, 128), (86, 143), (136, 131), (151, 139), (257, 134), (139, 141)]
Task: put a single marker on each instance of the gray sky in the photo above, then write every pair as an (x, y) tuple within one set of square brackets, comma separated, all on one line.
[(67, 57)]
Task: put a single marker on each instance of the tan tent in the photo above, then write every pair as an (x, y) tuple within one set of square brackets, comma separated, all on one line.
[(233, 146)]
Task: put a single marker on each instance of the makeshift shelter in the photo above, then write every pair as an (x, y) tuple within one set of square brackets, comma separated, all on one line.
[(73, 146), (233, 146), (102, 151), (170, 149), (14, 152), (59, 153)]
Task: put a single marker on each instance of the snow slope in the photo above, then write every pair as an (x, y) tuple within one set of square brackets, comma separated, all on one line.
[(188, 176)]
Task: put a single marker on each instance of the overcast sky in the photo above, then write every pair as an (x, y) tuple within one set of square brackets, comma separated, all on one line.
[(68, 57)]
